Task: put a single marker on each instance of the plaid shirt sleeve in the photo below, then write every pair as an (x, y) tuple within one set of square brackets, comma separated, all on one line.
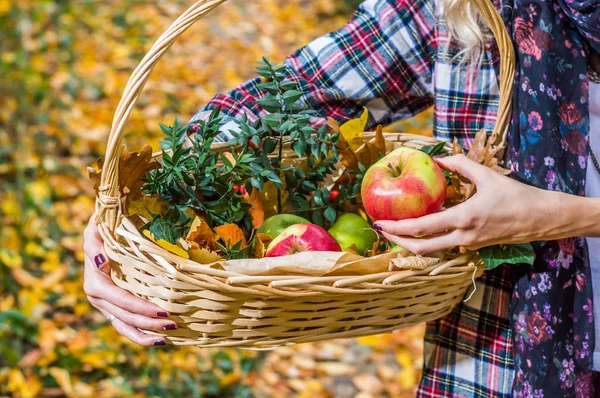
[(381, 59)]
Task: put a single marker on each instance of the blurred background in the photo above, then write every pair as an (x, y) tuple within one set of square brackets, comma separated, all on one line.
[(63, 66)]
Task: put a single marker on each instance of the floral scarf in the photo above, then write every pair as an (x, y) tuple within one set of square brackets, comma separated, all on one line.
[(552, 317)]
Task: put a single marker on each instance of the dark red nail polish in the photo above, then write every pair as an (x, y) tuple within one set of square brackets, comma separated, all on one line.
[(170, 326), (159, 342), (163, 314), (99, 260), (377, 227)]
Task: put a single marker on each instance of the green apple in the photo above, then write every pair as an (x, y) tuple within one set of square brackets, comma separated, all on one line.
[(348, 229), (275, 225)]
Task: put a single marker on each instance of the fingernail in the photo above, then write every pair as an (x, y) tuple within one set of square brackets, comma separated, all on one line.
[(170, 326), (99, 260), (377, 227), (159, 342), (163, 314)]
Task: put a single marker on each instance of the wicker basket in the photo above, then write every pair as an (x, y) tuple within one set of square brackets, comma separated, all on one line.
[(217, 308)]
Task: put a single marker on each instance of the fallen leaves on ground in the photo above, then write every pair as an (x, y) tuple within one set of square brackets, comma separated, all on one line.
[(64, 66)]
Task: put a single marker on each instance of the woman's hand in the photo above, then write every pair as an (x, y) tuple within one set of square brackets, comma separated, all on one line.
[(129, 312), (501, 211)]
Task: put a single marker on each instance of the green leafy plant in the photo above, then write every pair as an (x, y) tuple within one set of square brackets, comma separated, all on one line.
[(496, 255), (196, 181)]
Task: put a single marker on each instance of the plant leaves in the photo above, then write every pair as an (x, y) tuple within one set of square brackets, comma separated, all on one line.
[(353, 130), (496, 255), (231, 235)]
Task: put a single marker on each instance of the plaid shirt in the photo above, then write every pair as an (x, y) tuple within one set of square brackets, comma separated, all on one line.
[(392, 58)]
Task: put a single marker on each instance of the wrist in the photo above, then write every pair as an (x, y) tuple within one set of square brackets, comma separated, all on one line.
[(573, 216)]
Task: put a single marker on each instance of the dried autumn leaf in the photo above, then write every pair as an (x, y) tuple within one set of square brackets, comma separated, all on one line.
[(145, 206), (132, 167), (261, 241), (335, 126), (257, 213), (353, 130), (269, 198), (167, 245), (201, 234), (231, 234), (202, 255)]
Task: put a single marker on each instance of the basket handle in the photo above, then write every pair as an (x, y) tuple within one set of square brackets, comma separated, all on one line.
[(108, 201)]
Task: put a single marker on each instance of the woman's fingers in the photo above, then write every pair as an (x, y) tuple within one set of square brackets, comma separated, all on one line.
[(92, 246), (132, 333), (99, 285), (427, 244), (131, 319), (422, 226), (465, 166)]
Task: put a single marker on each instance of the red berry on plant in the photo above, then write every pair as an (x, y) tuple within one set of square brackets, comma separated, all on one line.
[(333, 194), (254, 146), (238, 188)]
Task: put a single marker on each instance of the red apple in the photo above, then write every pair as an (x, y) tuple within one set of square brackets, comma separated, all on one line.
[(407, 183), (301, 238)]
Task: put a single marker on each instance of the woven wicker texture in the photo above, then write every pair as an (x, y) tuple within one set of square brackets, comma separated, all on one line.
[(213, 307)]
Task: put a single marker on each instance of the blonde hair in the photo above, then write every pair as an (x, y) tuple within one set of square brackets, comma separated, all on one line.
[(465, 26)]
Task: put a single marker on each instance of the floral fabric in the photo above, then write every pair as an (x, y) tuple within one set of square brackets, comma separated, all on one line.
[(552, 308)]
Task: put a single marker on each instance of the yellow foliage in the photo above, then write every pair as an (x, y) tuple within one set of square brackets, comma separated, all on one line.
[(65, 65), (353, 130), (167, 245)]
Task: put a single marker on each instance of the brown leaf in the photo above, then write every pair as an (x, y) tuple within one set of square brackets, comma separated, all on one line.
[(261, 241), (335, 126), (201, 234), (257, 212), (231, 234), (132, 167)]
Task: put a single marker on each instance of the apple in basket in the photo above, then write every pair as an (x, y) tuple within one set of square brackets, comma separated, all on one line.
[(407, 183), (300, 238)]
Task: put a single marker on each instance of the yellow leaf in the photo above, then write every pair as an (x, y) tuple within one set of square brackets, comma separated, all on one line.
[(167, 245), (10, 258), (202, 255), (63, 379), (269, 197), (146, 206), (353, 130), (231, 234)]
